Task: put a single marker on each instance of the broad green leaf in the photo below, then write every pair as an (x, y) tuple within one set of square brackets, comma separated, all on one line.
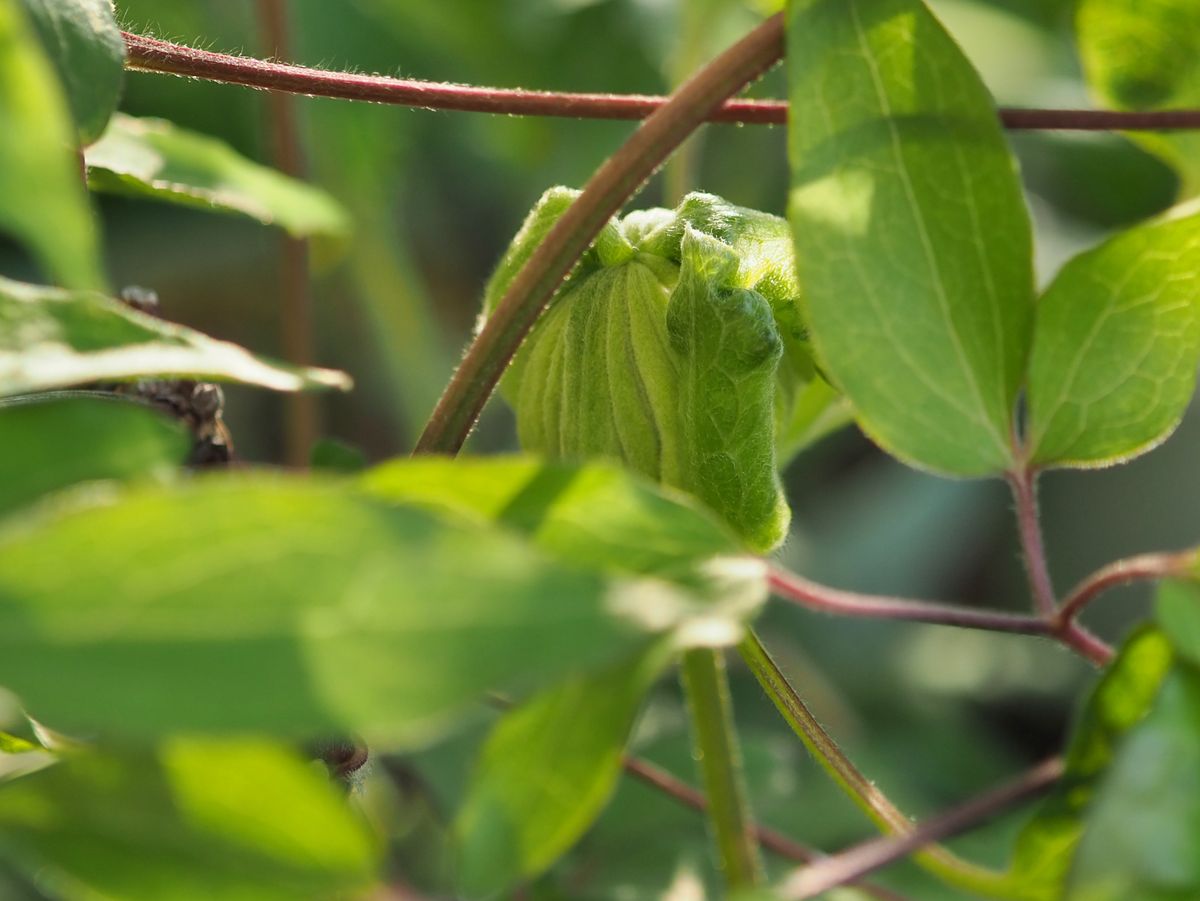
[(82, 39), (913, 243), (50, 444), (545, 773), (297, 607), (156, 159), (42, 200), (51, 338), (1119, 702), (1143, 829), (196, 820), (1145, 55), (594, 515), (1115, 347)]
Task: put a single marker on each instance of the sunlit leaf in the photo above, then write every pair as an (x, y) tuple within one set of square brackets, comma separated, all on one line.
[(912, 240), (52, 338), (157, 159)]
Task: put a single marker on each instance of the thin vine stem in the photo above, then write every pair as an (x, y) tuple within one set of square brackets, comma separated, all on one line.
[(720, 762), (1144, 567), (606, 192), (1033, 547), (938, 860), (147, 54), (844, 868)]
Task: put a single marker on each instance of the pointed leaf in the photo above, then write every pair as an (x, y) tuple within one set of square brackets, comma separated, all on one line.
[(51, 338), (1115, 347), (156, 159), (194, 821), (912, 240), (82, 39), (42, 200)]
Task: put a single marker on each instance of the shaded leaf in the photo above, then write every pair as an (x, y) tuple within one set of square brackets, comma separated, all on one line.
[(157, 159), (296, 607), (51, 338), (51, 444), (1177, 609), (196, 820), (1115, 347), (42, 200), (84, 43), (913, 243)]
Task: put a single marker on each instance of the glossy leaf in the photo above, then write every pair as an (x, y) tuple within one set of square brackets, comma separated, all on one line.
[(156, 159), (545, 773), (1119, 702), (51, 338), (51, 444), (296, 607), (196, 820), (42, 201), (1143, 828), (1115, 347), (1144, 55), (913, 243), (82, 39)]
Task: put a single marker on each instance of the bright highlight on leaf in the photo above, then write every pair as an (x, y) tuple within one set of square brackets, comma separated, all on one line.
[(51, 338), (913, 244), (155, 159), (1115, 347)]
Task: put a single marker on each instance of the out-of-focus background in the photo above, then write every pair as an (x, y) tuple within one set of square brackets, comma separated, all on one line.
[(931, 714)]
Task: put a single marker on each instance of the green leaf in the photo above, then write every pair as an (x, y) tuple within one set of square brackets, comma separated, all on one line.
[(197, 820), (1115, 347), (51, 338), (42, 200), (1177, 609), (545, 773), (156, 159), (1143, 828), (1145, 55), (51, 444), (913, 243), (297, 607), (82, 39), (1119, 702)]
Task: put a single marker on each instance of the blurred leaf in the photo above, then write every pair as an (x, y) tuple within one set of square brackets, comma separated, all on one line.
[(1143, 829), (1177, 610), (1115, 347), (51, 338), (545, 773), (240, 820), (1144, 55), (19, 757), (84, 43), (912, 239), (1119, 702), (334, 456), (296, 606), (154, 158), (42, 200), (51, 444)]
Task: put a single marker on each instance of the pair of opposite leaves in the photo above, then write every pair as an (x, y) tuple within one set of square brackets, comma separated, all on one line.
[(677, 348)]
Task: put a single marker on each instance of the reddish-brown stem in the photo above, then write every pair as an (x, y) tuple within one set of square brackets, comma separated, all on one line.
[(1144, 567), (297, 330), (841, 869), (147, 54), (1033, 547)]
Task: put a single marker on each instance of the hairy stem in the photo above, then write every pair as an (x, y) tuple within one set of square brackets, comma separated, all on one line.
[(939, 861), (720, 761), (606, 192), (1144, 567), (1033, 547), (841, 869), (147, 54)]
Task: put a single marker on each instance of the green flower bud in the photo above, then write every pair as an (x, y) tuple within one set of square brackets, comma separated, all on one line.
[(676, 347)]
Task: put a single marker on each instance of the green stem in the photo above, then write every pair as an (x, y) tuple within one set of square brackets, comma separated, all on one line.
[(717, 752), (606, 192), (938, 860)]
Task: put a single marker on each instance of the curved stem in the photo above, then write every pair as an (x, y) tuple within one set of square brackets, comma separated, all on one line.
[(1033, 547), (720, 761), (606, 192), (939, 861), (147, 54), (1134, 569)]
